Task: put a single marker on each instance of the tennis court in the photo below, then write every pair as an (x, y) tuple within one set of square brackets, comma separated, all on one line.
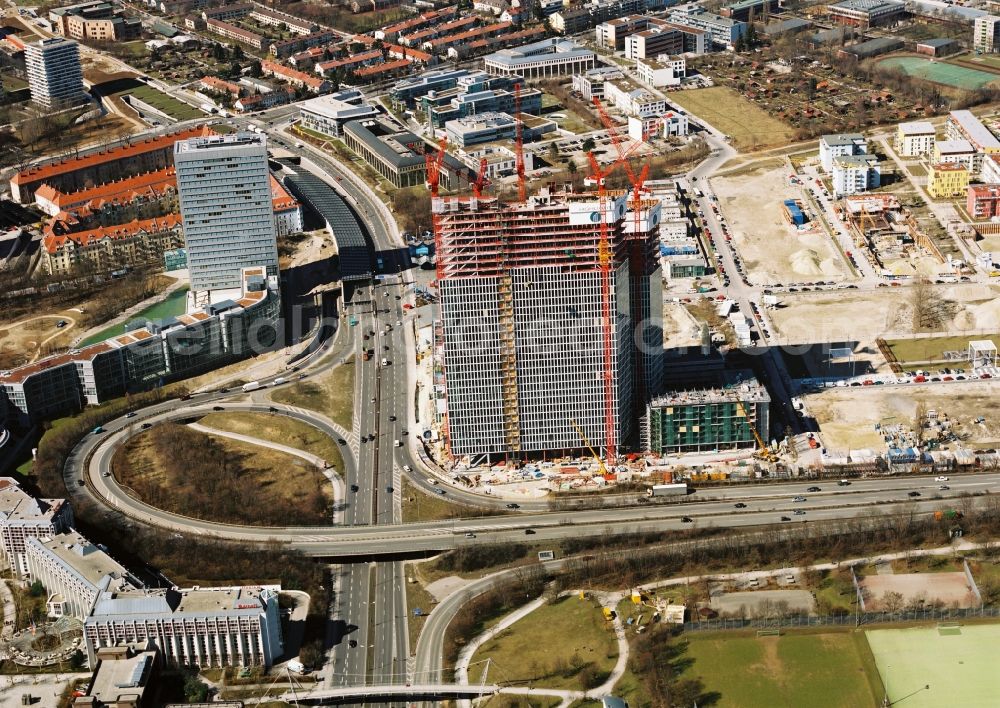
[(930, 667), (940, 72)]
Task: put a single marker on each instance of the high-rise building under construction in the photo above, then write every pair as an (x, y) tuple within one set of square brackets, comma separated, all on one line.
[(525, 343)]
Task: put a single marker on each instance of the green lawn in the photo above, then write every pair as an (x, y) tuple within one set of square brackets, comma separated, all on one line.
[(931, 348), (13, 83), (331, 394), (157, 99), (815, 670), (564, 644)]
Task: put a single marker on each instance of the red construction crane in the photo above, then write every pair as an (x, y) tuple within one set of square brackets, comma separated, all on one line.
[(522, 189), (637, 181), (433, 162), (481, 181), (604, 265)]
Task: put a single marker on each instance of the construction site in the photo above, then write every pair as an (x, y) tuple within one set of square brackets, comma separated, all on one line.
[(709, 420), (544, 366), (888, 235)]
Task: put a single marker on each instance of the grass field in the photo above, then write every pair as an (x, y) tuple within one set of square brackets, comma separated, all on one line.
[(805, 669), (923, 669), (749, 126), (988, 61), (157, 99), (331, 394), (279, 429), (912, 350), (559, 645)]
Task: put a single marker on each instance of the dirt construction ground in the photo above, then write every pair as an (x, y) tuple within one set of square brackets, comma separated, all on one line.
[(735, 603), (847, 416), (772, 250), (952, 589), (28, 339), (863, 315)]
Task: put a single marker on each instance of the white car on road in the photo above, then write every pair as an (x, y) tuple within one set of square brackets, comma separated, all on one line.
[(941, 478)]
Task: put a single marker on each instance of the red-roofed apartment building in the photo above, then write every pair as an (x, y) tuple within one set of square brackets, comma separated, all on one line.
[(109, 247)]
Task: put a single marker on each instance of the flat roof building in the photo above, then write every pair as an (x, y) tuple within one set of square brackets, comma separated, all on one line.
[(986, 34), (329, 114), (225, 197), (963, 125), (122, 679), (550, 57), (55, 76), (914, 139), (206, 627), (74, 571), (396, 154), (838, 144), (866, 13), (23, 517)]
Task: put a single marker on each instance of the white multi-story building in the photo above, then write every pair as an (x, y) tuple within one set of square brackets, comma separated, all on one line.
[(633, 101), (839, 145), (914, 139), (991, 169), (986, 34), (669, 124), (224, 188), (853, 174), (54, 73), (207, 627), (964, 125), (662, 71), (524, 343), (541, 60), (74, 572), (329, 114), (959, 152), (23, 517), (590, 84)]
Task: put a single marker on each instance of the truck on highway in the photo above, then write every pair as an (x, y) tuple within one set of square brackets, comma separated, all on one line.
[(252, 386), (666, 490), (296, 666), (280, 380)]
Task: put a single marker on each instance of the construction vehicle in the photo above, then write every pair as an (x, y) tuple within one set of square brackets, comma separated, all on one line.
[(601, 468), (763, 451)]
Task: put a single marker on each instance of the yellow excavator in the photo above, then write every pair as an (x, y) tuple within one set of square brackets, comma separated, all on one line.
[(763, 451), (602, 470)]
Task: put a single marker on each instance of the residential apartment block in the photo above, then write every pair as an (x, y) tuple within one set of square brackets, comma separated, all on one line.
[(22, 517), (96, 21), (853, 174), (959, 152), (633, 101), (947, 180), (983, 201), (665, 71), (590, 84), (837, 145), (108, 248), (963, 125), (986, 34), (225, 198), (914, 139), (723, 31), (101, 167), (662, 37), (55, 77)]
